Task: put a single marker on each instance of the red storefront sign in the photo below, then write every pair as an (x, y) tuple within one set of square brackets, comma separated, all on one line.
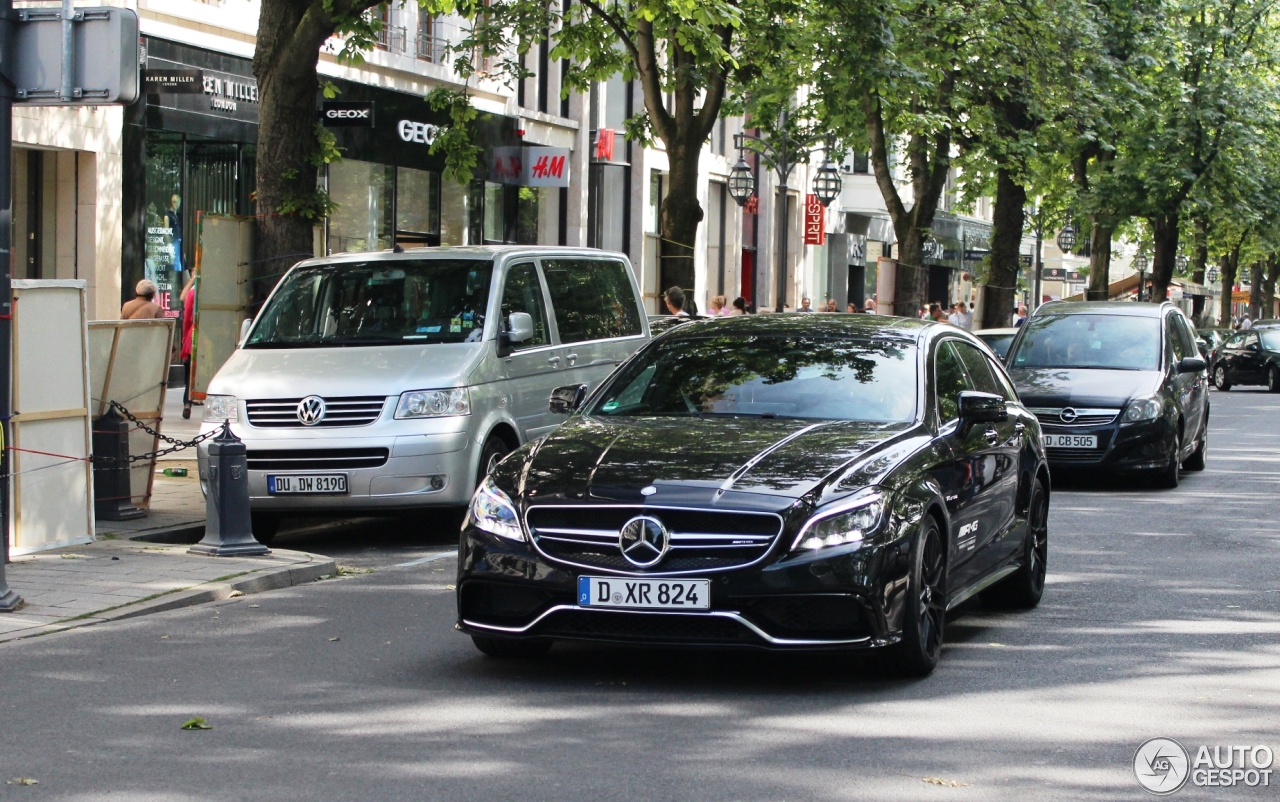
[(815, 221)]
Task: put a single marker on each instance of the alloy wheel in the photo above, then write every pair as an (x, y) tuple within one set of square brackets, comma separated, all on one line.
[(1038, 542), (932, 596)]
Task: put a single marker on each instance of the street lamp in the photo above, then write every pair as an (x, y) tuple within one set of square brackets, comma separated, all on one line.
[(1182, 264), (1140, 264), (1211, 275), (1067, 238), (781, 152)]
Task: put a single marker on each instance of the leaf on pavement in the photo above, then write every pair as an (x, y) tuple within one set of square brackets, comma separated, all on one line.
[(942, 782), (22, 781), (331, 640), (197, 723), (235, 594)]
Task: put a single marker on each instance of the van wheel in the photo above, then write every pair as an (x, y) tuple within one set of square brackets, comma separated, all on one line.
[(265, 526), (495, 448)]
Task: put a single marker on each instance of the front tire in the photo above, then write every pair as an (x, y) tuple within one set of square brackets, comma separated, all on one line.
[(1196, 461), (924, 620), (495, 448), (1220, 378), (1023, 589), (506, 648), (1167, 478), (1273, 379)]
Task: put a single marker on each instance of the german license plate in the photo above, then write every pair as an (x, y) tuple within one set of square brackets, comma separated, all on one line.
[(1070, 441), (656, 594), (310, 483)]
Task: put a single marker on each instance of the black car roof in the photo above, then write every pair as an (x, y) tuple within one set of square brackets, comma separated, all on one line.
[(1127, 308), (814, 324)]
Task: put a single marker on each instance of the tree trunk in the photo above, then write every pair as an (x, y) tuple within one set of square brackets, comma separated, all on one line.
[(290, 35), (1269, 286), (1255, 290), (1164, 230), (1101, 229), (1229, 264), (1001, 289), (1199, 263), (681, 215)]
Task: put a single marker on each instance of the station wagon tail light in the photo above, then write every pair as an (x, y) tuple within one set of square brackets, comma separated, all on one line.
[(433, 403), (221, 408), (491, 510), (1141, 409), (848, 522)]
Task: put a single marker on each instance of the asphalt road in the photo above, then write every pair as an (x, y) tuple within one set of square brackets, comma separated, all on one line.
[(1162, 618)]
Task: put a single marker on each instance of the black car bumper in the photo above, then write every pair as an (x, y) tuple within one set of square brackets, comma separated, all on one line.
[(1129, 448), (849, 598)]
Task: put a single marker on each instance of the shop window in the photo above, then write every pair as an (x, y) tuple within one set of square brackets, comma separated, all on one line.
[(593, 299), (363, 192), (417, 208), (495, 207), (527, 216), (165, 218)]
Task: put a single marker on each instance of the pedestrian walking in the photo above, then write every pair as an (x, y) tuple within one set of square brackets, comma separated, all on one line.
[(852, 307), (739, 306), (1022, 316), (188, 297), (966, 317), (831, 305), (935, 312), (804, 305), (143, 306), (871, 306), (675, 302), (718, 305), (953, 315)]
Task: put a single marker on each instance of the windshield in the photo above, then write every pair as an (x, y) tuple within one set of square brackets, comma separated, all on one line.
[(768, 376), (998, 342), (1106, 342), (377, 303), (1270, 339)]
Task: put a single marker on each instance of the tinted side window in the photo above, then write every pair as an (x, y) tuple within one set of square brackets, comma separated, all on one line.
[(523, 293), (1235, 341), (592, 300), (976, 364), (1188, 333), (949, 381), (1176, 345)]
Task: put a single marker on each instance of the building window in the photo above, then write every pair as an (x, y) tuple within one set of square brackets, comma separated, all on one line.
[(653, 220), (417, 208), (861, 162), (716, 195), (364, 194), (431, 39), (390, 37)]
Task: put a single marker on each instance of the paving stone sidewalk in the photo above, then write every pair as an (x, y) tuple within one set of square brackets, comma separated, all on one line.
[(113, 579)]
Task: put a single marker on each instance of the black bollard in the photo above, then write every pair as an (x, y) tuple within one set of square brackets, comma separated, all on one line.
[(111, 495), (228, 527)]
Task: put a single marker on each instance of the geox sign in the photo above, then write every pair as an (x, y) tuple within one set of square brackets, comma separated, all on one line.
[(347, 113)]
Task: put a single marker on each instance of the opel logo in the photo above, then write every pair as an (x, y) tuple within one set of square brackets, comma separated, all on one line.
[(311, 410), (1068, 415), (643, 541)]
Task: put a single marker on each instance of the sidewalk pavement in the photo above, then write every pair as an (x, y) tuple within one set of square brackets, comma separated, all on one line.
[(121, 575), (113, 579)]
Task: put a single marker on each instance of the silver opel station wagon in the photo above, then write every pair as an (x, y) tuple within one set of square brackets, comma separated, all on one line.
[(393, 381)]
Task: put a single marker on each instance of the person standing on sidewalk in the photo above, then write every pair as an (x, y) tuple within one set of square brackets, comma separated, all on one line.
[(188, 330), (143, 307)]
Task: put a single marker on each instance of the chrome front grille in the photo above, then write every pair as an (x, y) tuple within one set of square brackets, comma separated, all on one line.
[(281, 413), (316, 459), (701, 540), (1052, 416)]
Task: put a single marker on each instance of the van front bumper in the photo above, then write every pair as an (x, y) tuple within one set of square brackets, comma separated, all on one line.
[(420, 468)]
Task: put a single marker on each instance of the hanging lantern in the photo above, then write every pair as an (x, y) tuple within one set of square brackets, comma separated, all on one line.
[(742, 182), (826, 183), (1182, 263), (1211, 275), (1067, 238), (1140, 263)]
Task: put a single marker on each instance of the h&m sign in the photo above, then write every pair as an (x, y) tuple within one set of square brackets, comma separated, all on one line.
[(529, 166)]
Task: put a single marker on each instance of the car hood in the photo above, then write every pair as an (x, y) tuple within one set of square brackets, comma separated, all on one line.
[(336, 372), (696, 460), (1061, 387)]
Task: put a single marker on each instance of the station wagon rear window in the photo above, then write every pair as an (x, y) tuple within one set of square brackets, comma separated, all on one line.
[(377, 303)]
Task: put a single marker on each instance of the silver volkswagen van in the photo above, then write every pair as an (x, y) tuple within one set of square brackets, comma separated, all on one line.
[(392, 381)]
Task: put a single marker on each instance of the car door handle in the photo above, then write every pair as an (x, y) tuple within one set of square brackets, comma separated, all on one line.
[(553, 361), (572, 358)]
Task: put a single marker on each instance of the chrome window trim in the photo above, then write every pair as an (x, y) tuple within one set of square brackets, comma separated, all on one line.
[(732, 616)]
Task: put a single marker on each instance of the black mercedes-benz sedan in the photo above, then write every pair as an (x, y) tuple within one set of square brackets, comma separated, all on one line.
[(775, 481), (1117, 386), (1248, 357)]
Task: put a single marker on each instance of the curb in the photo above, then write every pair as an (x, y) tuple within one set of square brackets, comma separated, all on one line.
[(284, 576)]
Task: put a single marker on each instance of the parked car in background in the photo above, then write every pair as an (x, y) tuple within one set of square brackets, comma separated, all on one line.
[(392, 381), (661, 323), (998, 340), (1117, 386), (1209, 339), (1249, 357), (789, 482)]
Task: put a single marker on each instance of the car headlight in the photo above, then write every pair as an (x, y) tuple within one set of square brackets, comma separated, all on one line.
[(847, 522), (1142, 409), (433, 403), (221, 408), (491, 510)]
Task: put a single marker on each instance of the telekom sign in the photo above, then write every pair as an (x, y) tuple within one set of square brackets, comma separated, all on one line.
[(815, 221)]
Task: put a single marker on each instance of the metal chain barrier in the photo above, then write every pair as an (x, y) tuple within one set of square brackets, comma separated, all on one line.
[(175, 444)]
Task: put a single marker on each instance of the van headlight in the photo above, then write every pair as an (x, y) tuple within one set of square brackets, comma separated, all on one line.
[(221, 408), (491, 510), (849, 521), (433, 403), (1142, 409)]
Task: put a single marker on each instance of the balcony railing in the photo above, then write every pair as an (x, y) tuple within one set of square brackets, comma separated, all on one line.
[(432, 48), (392, 38)]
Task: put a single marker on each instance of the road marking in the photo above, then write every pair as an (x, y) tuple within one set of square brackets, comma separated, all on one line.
[(426, 559)]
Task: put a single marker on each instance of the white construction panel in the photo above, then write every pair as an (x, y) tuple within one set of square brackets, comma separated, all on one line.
[(223, 249)]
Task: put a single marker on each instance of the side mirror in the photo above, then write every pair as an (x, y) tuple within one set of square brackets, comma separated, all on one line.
[(244, 331), (568, 399), (1192, 364), (520, 327), (1251, 347), (976, 407)]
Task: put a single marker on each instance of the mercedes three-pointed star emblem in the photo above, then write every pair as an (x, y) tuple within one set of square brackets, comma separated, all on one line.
[(644, 541), (311, 410)]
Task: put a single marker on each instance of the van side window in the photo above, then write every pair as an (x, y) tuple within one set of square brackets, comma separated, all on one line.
[(591, 299), (523, 293)]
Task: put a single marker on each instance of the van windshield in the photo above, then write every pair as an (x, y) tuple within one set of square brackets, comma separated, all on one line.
[(377, 303)]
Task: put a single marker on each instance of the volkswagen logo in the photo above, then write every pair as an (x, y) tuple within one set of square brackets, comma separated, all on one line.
[(1068, 415), (311, 410), (643, 541)]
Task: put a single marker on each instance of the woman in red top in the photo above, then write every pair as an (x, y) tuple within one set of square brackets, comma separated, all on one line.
[(188, 328)]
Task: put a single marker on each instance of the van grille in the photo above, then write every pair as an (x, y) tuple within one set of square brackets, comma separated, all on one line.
[(282, 413), (316, 459)]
